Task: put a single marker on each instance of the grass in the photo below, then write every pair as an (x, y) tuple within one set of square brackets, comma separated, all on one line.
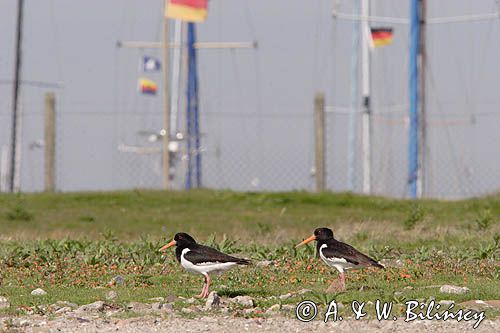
[(72, 245)]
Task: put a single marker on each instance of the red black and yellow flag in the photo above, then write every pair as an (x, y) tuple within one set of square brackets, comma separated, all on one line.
[(381, 36), (187, 10)]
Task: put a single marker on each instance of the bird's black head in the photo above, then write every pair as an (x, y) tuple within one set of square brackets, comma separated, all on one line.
[(320, 235), (323, 234), (182, 238)]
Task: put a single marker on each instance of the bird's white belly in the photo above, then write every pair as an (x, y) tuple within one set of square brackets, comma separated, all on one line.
[(206, 267), (339, 263)]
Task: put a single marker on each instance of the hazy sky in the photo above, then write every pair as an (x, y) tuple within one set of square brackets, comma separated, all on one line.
[(255, 105)]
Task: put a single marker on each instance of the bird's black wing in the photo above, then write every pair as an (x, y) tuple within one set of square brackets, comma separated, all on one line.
[(338, 249), (201, 254)]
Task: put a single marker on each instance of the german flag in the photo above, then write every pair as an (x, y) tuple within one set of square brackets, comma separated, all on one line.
[(187, 10), (381, 36)]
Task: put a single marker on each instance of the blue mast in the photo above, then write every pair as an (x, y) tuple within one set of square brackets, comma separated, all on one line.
[(414, 79), (192, 113)]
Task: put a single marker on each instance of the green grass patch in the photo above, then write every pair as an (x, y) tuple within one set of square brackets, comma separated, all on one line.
[(73, 245)]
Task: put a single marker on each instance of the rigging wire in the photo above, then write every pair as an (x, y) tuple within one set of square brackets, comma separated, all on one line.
[(454, 154), (221, 179), (117, 64), (333, 50), (258, 100)]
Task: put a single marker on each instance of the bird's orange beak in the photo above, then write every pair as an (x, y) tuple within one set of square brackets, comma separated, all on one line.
[(163, 248), (305, 241)]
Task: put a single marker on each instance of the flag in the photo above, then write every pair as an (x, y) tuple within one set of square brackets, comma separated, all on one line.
[(187, 10), (381, 36), (147, 86), (150, 64)]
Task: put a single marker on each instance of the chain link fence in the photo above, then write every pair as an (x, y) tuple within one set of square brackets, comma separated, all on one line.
[(267, 152)]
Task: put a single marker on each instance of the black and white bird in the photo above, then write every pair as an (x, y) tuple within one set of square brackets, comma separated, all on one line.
[(201, 259), (340, 255)]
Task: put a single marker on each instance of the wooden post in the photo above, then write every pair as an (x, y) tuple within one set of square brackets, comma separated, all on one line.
[(319, 140), (50, 142)]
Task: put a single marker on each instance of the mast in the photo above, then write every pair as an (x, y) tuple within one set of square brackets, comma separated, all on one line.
[(351, 140), (193, 128), (365, 91), (413, 143), (166, 103), (422, 125), (14, 158), (176, 76)]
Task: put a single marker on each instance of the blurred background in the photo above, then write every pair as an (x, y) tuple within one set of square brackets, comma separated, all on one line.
[(256, 105)]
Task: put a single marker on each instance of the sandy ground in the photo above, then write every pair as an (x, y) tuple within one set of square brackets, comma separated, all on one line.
[(217, 323)]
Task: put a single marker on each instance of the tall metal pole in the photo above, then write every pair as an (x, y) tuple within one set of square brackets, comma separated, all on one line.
[(166, 104), (176, 76), (366, 116), (15, 95), (192, 113), (422, 126), (413, 150), (351, 140)]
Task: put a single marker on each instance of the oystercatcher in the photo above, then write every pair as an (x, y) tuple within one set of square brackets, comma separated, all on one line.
[(340, 255), (196, 258)]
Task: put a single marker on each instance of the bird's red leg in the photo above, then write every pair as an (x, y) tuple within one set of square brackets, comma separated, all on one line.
[(337, 285), (208, 286), (342, 281), (202, 294)]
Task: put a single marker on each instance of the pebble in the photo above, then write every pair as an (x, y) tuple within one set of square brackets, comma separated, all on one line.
[(288, 308), (138, 307), (96, 306), (186, 310), (191, 309), (38, 292), (274, 308), (245, 301), (4, 303), (479, 304), (111, 295), (252, 311), (63, 304), (117, 280), (171, 298), (166, 307), (451, 289), (63, 310), (213, 301), (265, 263), (157, 299), (156, 306), (23, 322), (446, 302), (285, 296)]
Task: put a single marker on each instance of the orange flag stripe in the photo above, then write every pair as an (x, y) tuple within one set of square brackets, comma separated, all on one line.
[(187, 10)]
